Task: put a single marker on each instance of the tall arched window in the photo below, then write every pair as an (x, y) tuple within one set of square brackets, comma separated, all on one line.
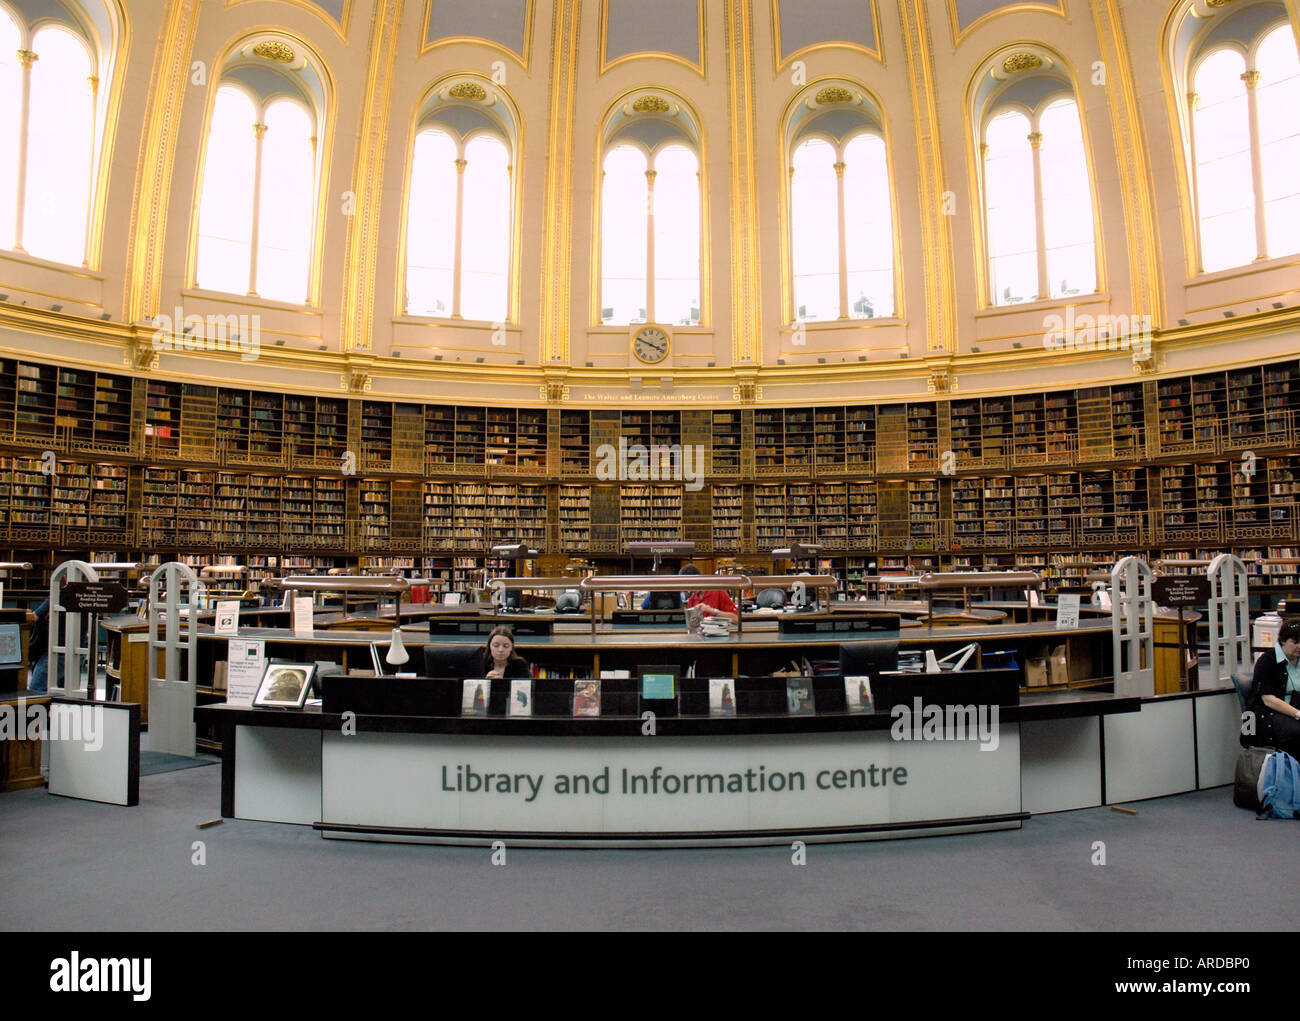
[(650, 216), (257, 206), (48, 99), (1244, 143), (841, 220), (460, 216), (1040, 232)]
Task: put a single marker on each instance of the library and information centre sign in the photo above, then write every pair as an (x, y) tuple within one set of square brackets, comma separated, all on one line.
[(785, 783)]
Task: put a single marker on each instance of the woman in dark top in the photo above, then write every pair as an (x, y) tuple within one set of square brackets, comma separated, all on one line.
[(1275, 692), (499, 658)]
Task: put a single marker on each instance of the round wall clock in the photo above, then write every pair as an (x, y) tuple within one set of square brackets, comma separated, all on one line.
[(651, 344)]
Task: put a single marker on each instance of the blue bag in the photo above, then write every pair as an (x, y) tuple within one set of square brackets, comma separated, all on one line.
[(1280, 787)]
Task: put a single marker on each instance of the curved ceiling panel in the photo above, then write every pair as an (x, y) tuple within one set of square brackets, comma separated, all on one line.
[(501, 22), (966, 14), (630, 27), (800, 24)]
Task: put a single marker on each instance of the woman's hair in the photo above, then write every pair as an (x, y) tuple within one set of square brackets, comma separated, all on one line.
[(689, 569), (500, 629), (1289, 630)]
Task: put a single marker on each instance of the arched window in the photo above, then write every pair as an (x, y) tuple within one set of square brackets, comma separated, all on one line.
[(257, 206), (650, 216), (841, 220), (48, 100), (1233, 137), (1241, 133), (460, 216), (1040, 234)]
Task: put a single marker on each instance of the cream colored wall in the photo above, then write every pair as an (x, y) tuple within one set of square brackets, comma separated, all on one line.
[(1135, 165)]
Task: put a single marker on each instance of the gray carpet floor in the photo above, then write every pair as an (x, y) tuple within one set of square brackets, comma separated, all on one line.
[(1188, 862)]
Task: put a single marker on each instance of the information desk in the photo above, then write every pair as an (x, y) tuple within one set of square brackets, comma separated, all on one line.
[(701, 780)]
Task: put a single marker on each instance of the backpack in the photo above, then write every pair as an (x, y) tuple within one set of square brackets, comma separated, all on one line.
[(1248, 784), (1279, 786)]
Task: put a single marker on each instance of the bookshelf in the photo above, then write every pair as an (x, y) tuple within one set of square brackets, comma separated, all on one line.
[(999, 494), (800, 513), (726, 443), (831, 505), (74, 407), (531, 441), (575, 442), (830, 439), (1061, 418), (499, 437), (159, 502), (1031, 523), (800, 441), (1029, 424), (263, 501), (769, 442), (329, 515), (1177, 432), (34, 408), (470, 516), (650, 513), (376, 436), (439, 437), (860, 528), (575, 519), (266, 444), (923, 512), (70, 495), (439, 520), (519, 514), (1246, 417), (1128, 421), (470, 437), (108, 497), (728, 518), (374, 522), (967, 435), (162, 419), (922, 437), (230, 495), (769, 516), (860, 438)]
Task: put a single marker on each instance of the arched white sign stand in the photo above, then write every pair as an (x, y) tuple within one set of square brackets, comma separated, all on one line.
[(1229, 619), (175, 595), (75, 655), (1132, 627)]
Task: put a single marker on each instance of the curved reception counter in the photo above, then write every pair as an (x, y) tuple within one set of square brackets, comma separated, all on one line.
[(632, 780)]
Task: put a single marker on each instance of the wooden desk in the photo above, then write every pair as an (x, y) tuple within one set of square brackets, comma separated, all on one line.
[(20, 759)]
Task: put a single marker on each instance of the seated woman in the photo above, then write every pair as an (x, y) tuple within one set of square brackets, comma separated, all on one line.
[(712, 603), (499, 658), (1275, 692)]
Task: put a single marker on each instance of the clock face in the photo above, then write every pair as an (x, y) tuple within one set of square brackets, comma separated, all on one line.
[(651, 344)]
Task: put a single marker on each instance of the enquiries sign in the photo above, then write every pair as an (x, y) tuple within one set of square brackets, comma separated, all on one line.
[(662, 785)]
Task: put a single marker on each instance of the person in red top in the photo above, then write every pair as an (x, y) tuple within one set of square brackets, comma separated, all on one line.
[(714, 602)]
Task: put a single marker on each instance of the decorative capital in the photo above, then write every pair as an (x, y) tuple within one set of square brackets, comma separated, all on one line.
[(141, 355), (984, 150), (941, 381), (747, 392), (1144, 362), (554, 392), (461, 164), (650, 176), (27, 58), (839, 168), (356, 381), (259, 130), (1035, 139), (1251, 78)]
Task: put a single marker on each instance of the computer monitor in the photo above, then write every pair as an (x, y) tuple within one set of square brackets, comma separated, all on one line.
[(665, 601), (451, 661), (514, 600), (871, 658)]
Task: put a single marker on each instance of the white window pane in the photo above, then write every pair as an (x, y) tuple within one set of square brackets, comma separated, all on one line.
[(814, 231), (287, 204), (1225, 195), (677, 236), (58, 148), (226, 206), (1009, 200), (10, 97), (869, 232), (430, 228), (623, 211), (485, 232), (1279, 130), (1067, 203)]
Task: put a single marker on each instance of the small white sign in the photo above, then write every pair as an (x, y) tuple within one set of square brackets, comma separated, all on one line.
[(1067, 611), (246, 662), (227, 617), (302, 616)]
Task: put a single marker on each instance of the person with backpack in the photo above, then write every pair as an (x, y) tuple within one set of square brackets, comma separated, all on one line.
[(1275, 692)]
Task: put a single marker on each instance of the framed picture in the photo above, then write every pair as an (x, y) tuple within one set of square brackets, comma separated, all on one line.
[(284, 686)]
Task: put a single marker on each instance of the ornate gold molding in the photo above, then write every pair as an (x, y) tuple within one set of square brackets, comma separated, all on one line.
[(942, 381), (148, 233), (557, 225), (1022, 61), (746, 297), (1140, 226), (936, 231), (362, 251), (274, 49)]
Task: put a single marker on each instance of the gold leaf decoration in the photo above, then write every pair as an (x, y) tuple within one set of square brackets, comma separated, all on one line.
[(651, 104), (1021, 62), (468, 90), (273, 49), (1217, 3), (833, 94)]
